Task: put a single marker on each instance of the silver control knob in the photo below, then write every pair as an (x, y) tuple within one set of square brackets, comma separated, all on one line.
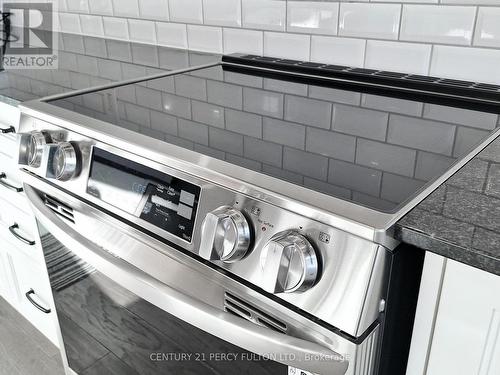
[(35, 146), (64, 162), (289, 263), (225, 235)]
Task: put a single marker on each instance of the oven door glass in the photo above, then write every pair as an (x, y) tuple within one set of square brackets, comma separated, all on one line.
[(117, 318), (106, 329)]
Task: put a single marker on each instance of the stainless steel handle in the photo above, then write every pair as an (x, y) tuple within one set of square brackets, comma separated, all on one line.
[(34, 303), (7, 185), (13, 229), (288, 350)]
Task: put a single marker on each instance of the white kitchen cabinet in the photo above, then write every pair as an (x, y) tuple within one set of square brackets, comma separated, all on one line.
[(466, 337), (457, 326), (30, 276), (22, 266)]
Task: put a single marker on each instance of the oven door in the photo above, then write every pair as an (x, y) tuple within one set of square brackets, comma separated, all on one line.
[(174, 318)]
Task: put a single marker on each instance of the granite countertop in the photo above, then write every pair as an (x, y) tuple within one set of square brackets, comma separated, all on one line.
[(461, 219), (89, 61)]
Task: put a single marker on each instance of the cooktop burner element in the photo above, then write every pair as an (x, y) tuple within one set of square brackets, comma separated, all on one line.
[(359, 143)]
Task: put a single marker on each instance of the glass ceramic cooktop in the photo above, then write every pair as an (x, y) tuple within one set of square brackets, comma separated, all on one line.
[(375, 150)]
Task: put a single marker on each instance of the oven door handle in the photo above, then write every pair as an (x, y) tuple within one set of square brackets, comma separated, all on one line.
[(288, 350)]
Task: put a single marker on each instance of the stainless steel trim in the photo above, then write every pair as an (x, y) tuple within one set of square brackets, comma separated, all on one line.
[(239, 332)]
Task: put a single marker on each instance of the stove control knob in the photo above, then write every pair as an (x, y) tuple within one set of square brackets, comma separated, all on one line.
[(64, 162), (35, 143), (289, 263), (225, 235)]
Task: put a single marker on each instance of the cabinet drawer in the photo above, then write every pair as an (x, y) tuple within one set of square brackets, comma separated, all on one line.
[(35, 295), (8, 144), (17, 227), (9, 116)]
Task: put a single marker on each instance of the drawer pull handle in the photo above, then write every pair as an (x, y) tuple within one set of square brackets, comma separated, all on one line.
[(10, 129), (13, 230), (3, 176), (34, 303)]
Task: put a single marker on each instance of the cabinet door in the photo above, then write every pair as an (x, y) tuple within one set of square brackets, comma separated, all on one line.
[(7, 286), (33, 279), (467, 331)]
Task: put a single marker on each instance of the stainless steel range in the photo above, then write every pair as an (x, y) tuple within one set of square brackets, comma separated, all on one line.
[(235, 218)]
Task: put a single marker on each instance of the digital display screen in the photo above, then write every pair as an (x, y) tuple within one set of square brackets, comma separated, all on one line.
[(160, 199)]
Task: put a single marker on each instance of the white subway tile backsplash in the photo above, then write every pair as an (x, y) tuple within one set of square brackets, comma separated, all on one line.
[(126, 8), (472, 2), (91, 25), (290, 46), (154, 9), (222, 12), (334, 32), (188, 11), (243, 41), (399, 57), (171, 34), (341, 51), (103, 7), (369, 20), (142, 31), (477, 64), (79, 6), (487, 32), (312, 17), (264, 14), (440, 24), (204, 38), (70, 23), (115, 28)]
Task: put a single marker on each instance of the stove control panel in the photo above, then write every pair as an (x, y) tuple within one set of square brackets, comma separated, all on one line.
[(48, 153)]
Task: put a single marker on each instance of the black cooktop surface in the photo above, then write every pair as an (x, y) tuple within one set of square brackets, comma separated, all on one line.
[(375, 146)]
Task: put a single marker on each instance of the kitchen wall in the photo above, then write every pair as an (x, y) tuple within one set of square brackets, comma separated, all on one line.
[(449, 38)]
